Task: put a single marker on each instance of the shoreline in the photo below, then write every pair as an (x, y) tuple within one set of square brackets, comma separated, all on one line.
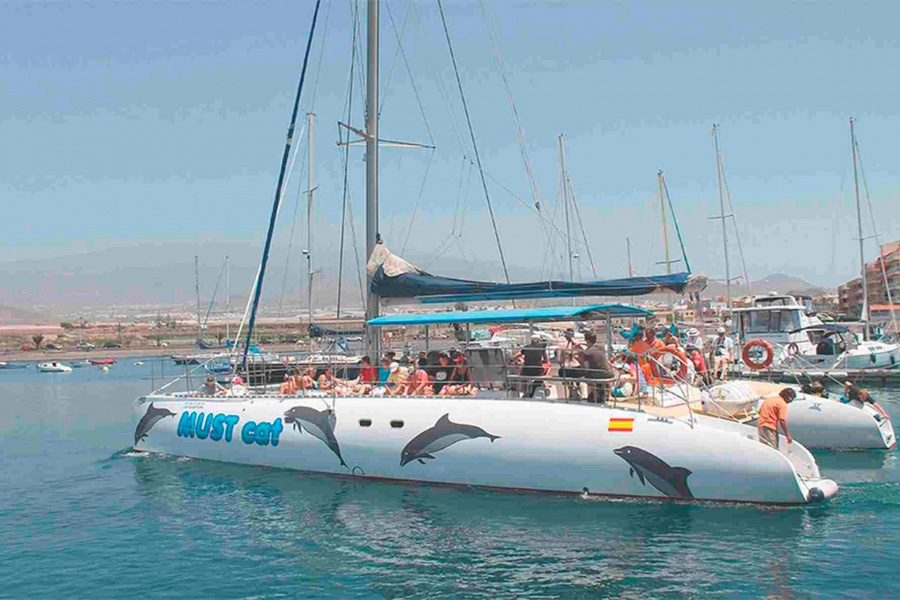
[(38, 356)]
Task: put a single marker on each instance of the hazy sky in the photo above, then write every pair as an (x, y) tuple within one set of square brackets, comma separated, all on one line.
[(131, 122)]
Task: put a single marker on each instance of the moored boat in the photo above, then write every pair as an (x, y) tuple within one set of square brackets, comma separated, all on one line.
[(54, 367)]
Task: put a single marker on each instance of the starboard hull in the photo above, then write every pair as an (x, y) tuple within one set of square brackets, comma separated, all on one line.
[(508, 444)]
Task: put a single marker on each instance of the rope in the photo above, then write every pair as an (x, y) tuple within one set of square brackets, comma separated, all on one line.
[(581, 225), (487, 195), (887, 286), (346, 160), (687, 265), (737, 233)]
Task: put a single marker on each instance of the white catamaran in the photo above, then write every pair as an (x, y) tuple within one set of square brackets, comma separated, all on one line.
[(490, 439)]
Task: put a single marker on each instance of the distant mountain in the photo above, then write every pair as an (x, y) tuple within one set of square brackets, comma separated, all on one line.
[(777, 282)]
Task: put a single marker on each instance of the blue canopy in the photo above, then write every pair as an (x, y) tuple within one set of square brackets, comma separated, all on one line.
[(514, 315), (428, 288)]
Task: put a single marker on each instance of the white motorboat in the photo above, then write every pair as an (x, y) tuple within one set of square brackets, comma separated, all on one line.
[(800, 341), (816, 422), (54, 367)]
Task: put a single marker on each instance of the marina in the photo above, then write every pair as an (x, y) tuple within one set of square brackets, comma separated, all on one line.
[(292, 308)]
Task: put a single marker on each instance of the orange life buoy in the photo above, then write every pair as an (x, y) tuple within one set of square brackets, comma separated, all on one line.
[(665, 374), (755, 364)]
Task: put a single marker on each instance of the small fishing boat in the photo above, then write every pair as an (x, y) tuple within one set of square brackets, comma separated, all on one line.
[(82, 363), (102, 362), (54, 367)]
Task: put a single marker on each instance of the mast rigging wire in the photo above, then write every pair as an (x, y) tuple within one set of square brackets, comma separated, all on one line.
[(581, 225), (474, 143), (737, 233)]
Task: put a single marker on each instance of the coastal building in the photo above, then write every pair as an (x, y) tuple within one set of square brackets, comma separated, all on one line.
[(886, 266)]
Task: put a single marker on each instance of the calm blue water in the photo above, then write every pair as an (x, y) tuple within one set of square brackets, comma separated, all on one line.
[(81, 516)]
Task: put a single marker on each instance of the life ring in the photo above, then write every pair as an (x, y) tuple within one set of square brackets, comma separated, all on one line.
[(665, 374), (755, 364)]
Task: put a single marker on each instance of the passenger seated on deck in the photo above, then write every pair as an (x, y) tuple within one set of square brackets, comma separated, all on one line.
[(418, 382), (212, 387), (384, 371), (700, 369), (649, 342), (308, 379), (396, 381), (627, 380), (570, 363), (289, 386), (460, 380), (854, 392), (670, 339), (441, 373), (327, 380)]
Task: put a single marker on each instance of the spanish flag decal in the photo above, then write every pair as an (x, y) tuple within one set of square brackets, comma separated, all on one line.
[(626, 425)]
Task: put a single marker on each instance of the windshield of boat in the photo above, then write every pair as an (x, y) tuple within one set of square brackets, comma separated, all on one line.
[(760, 322)]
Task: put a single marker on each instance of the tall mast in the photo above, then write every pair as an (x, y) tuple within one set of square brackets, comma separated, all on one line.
[(227, 295), (565, 199), (722, 216), (311, 120), (630, 267), (373, 337), (197, 289), (665, 231), (862, 257)]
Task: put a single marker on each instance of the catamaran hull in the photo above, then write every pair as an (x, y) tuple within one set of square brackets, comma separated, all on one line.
[(520, 445), (817, 423)]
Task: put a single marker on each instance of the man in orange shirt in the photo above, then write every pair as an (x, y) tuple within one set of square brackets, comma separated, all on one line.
[(773, 413), (649, 342)]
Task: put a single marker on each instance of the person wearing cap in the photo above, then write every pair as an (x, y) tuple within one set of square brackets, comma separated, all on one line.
[(237, 387), (722, 353), (772, 415)]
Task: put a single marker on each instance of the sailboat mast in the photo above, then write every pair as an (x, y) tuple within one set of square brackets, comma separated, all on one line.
[(665, 231), (311, 120), (197, 290), (565, 200), (715, 133), (227, 296), (373, 337), (862, 256), (630, 268)]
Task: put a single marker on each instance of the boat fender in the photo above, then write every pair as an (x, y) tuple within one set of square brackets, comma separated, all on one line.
[(816, 495), (758, 365)]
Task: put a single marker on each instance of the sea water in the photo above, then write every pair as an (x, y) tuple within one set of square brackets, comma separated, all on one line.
[(81, 516)]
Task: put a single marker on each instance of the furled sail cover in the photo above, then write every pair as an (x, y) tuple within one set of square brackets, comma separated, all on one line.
[(394, 279)]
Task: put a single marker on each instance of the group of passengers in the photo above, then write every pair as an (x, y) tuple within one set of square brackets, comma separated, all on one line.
[(581, 366), (650, 343), (447, 374)]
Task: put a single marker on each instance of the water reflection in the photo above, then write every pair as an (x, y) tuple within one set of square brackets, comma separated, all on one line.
[(402, 539)]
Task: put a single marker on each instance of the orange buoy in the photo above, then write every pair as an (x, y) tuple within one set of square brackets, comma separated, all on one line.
[(757, 365)]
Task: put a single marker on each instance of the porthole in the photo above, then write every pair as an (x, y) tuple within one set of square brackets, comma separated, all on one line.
[(365, 422), (396, 424)]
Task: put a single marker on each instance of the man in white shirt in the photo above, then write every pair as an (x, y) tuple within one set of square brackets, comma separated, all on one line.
[(723, 354)]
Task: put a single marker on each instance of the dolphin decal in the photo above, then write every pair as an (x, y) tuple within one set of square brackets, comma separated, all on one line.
[(434, 439), (319, 424), (149, 419), (671, 481)]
